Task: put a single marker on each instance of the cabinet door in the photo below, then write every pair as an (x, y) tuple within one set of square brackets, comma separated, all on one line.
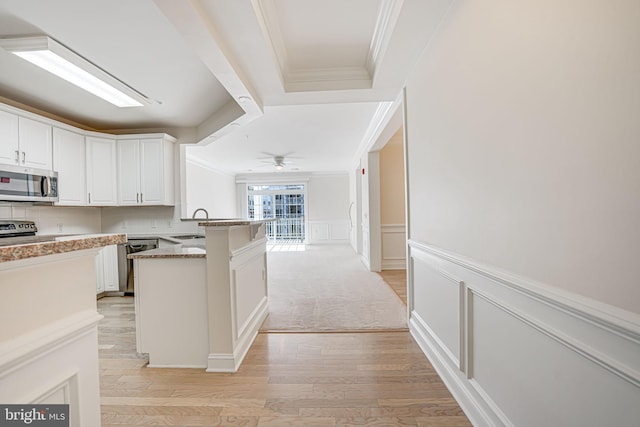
[(129, 172), (101, 171), (99, 272), (152, 171), (35, 144), (110, 268), (9, 149), (69, 161)]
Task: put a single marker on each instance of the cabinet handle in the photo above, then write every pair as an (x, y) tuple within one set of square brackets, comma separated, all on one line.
[(89, 198), (137, 197), (141, 199), (17, 156), (24, 157)]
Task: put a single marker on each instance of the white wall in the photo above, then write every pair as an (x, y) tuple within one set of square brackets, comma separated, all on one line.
[(392, 204), (328, 203), (523, 154), (212, 190), (365, 254), (392, 200), (524, 175)]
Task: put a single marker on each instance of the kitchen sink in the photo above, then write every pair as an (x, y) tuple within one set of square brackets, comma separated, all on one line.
[(189, 236)]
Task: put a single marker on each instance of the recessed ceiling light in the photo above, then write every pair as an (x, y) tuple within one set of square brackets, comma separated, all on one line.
[(57, 59), (244, 99)]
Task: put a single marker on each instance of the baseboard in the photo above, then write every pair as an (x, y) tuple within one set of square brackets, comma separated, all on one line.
[(394, 264), (230, 362), (471, 405), (516, 352)]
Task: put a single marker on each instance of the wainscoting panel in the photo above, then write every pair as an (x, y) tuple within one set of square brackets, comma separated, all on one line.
[(55, 364), (529, 354), (394, 246), (247, 292), (249, 305), (328, 232), (437, 307)]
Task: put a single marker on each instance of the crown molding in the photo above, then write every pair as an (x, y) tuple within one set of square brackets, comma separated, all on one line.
[(330, 78), (387, 18)]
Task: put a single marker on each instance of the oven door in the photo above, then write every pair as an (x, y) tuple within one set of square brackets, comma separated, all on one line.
[(28, 185)]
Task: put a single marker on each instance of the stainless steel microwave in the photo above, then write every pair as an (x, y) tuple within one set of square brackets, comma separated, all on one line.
[(20, 184)]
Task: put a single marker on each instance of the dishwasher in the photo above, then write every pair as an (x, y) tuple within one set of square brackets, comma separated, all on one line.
[(125, 266)]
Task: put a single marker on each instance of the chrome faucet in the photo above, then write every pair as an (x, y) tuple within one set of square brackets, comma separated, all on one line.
[(198, 210)]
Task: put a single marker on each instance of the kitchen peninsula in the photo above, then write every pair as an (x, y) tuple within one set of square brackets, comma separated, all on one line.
[(202, 305), (48, 318)]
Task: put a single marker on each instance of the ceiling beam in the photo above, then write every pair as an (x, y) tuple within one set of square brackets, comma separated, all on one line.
[(192, 22)]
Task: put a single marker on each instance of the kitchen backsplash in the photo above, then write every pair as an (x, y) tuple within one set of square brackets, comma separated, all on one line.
[(146, 220), (55, 220), (84, 220)]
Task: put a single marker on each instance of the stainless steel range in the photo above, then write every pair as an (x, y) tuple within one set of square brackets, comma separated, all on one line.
[(12, 228)]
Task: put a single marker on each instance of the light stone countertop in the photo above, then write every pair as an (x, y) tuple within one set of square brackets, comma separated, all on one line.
[(175, 251), (232, 222), (17, 248)]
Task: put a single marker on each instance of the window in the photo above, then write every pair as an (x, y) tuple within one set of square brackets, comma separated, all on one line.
[(285, 203)]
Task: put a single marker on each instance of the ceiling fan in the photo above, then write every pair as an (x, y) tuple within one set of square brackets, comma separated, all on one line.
[(278, 161)]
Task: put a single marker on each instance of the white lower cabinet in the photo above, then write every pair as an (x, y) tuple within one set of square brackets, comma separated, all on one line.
[(107, 269)]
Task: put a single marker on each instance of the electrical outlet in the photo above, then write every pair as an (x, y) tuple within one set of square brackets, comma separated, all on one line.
[(124, 225), (59, 228), (170, 224), (153, 223)]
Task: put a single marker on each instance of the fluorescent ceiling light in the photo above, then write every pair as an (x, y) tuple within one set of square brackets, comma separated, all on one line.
[(56, 58)]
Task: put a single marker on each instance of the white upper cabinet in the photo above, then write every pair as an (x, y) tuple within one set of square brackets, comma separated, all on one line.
[(128, 172), (101, 171), (145, 171), (9, 145), (69, 161), (25, 142), (35, 144), (93, 169)]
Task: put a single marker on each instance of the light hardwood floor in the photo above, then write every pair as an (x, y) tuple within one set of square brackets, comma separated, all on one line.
[(287, 379), (397, 280)]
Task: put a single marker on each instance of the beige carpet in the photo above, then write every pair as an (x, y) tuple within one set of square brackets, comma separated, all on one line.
[(327, 288)]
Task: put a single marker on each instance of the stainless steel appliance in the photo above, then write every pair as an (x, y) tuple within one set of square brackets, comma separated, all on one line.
[(11, 228), (20, 184), (125, 266)]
